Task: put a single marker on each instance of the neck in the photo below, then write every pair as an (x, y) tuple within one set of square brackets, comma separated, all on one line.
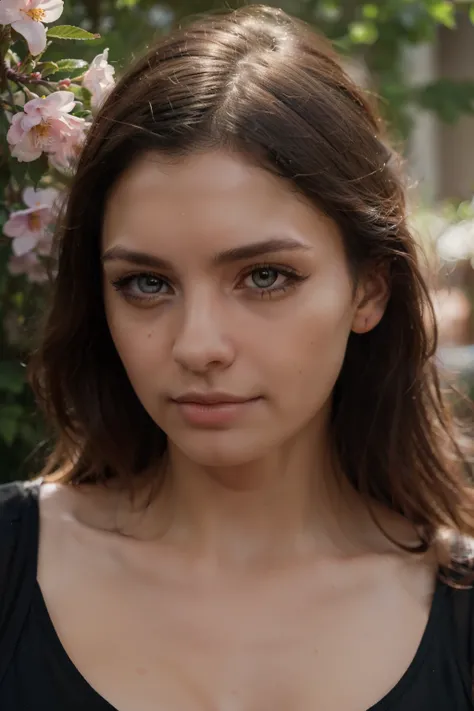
[(284, 505)]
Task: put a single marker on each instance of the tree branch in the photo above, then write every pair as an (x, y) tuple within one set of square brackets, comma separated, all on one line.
[(22, 79)]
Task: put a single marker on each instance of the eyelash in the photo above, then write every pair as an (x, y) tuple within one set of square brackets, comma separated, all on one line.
[(292, 279)]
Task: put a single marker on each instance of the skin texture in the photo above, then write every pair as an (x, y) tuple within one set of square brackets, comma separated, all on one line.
[(211, 328), (253, 580)]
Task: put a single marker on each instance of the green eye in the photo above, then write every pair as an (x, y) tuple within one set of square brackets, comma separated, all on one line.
[(264, 277), (267, 280)]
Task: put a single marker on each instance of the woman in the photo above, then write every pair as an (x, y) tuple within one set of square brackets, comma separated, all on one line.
[(256, 484)]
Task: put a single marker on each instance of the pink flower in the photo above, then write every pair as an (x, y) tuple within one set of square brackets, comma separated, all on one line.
[(43, 125), (99, 79), (68, 151), (27, 17), (29, 265), (30, 228)]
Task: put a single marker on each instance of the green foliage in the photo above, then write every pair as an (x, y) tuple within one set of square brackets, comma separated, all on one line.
[(444, 13), (447, 99), (365, 32), (121, 4), (71, 66), (66, 32)]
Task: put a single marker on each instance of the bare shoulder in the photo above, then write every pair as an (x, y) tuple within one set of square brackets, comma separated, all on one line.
[(74, 520), (92, 522), (67, 504), (78, 543), (390, 558)]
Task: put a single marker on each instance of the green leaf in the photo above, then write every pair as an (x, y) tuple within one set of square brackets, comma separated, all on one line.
[(71, 65), (48, 68), (81, 93), (447, 98), (370, 12), (29, 434), (19, 299), (37, 169), (444, 13), (4, 215), (29, 66), (18, 171), (471, 14), (121, 4), (12, 377), (9, 421), (363, 32), (4, 128), (83, 113), (68, 32), (86, 94), (8, 429)]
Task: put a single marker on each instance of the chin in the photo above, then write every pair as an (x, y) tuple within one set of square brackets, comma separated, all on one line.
[(221, 448)]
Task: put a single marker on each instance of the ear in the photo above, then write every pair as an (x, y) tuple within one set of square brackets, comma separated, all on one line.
[(371, 299)]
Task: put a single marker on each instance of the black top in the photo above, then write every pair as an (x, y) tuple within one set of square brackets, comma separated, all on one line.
[(36, 672)]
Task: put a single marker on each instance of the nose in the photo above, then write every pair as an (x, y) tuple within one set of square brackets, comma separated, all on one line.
[(202, 343)]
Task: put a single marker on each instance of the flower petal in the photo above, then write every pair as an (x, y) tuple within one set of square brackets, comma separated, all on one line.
[(30, 121), (21, 213), (36, 200), (26, 150), (20, 265), (23, 245), (34, 33), (33, 106), (28, 264), (44, 246), (30, 197), (10, 11), (43, 199), (53, 9), (16, 131), (15, 226), (57, 103)]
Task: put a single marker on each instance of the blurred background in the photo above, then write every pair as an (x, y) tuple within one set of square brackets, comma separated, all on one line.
[(417, 57)]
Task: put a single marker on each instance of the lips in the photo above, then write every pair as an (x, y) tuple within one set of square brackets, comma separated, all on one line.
[(216, 398), (215, 411)]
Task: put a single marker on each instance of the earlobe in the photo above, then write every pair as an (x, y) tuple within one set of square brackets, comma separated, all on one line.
[(372, 300), (364, 322)]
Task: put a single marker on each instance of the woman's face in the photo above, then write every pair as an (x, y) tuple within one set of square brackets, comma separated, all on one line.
[(230, 302)]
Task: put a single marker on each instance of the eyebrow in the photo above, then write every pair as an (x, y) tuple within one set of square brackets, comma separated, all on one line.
[(228, 256)]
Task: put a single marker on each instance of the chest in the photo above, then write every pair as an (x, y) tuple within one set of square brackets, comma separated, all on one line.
[(310, 641)]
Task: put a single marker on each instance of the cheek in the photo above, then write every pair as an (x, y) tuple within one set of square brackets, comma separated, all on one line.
[(135, 339), (306, 355)]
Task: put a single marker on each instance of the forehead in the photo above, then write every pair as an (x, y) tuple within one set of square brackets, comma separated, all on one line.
[(200, 176), (215, 197)]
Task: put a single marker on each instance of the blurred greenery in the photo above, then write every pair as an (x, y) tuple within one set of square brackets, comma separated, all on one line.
[(375, 32)]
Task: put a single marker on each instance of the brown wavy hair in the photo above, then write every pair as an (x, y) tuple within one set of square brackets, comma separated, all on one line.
[(265, 85)]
